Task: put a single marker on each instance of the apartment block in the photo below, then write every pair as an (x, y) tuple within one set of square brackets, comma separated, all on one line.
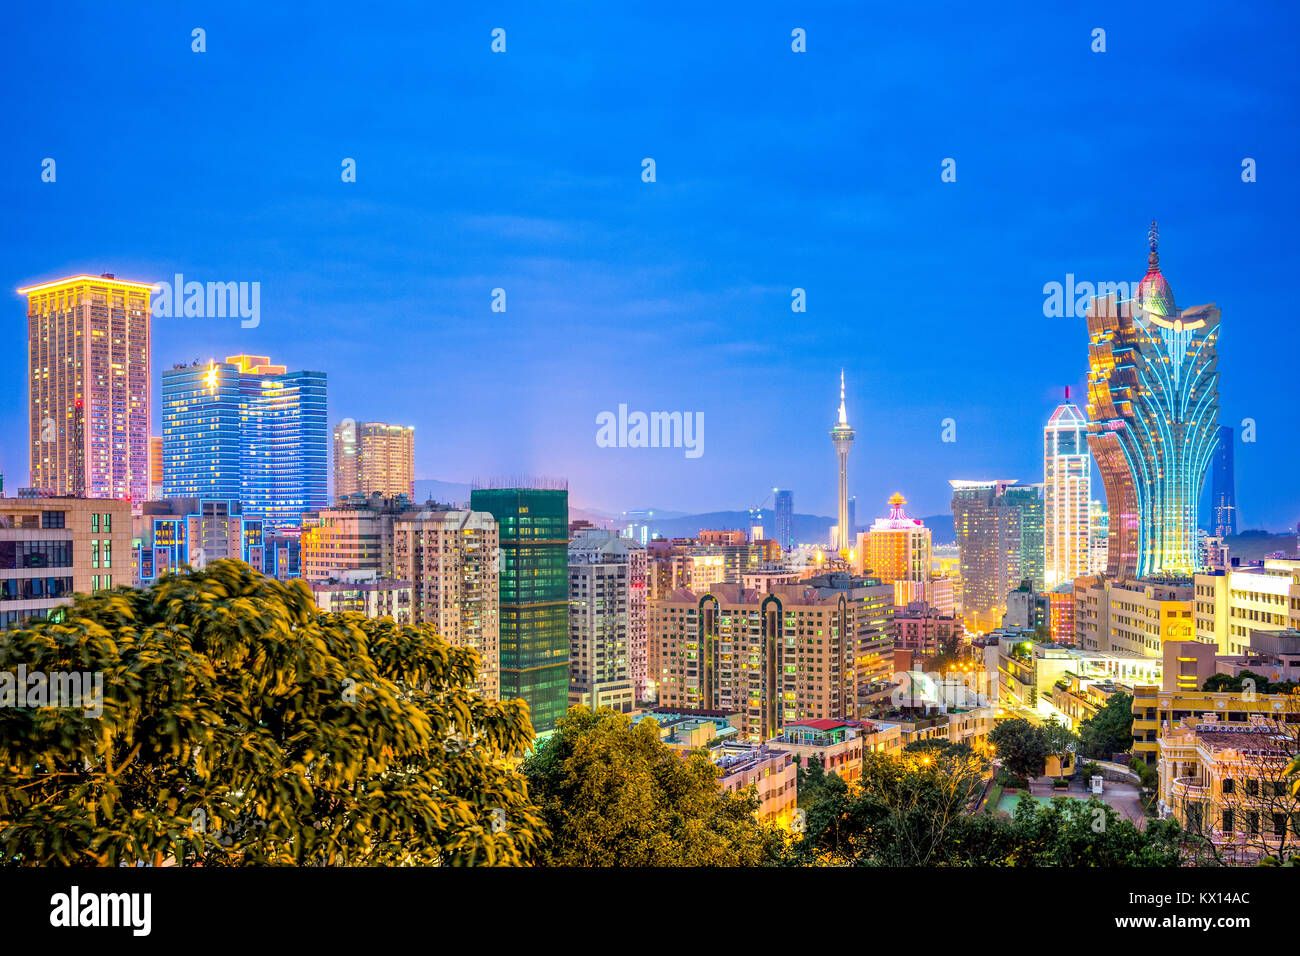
[(799, 652), (607, 621), (373, 458), (451, 559), (53, 547)]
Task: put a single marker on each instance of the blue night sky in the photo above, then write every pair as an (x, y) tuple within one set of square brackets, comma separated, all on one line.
[(775, 170)]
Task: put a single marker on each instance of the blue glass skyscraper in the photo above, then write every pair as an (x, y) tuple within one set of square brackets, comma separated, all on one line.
[(1223, 483), (248, 430)]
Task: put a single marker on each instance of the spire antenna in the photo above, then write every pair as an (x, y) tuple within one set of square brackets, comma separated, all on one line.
[(1153, 240)]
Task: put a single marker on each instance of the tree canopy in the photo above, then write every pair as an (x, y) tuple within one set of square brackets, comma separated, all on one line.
[(1022, 746), (1110, 730), (908, 812), (613, 794), (240, 725)]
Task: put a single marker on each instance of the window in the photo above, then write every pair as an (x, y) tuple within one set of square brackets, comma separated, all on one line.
[(1229, 786), (108, 553), (108, 524), (52, 519), (94, 554), (94, 523)]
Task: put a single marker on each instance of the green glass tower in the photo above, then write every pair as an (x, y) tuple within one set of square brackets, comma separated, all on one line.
[(1032, 546), (534, 589)]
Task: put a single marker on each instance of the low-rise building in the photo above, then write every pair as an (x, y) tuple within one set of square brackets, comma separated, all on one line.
[(364, 592), (172, 533), (771, 772), (1226, 781), (836, 743), (53, 547), (1132, 617), (926, 630)]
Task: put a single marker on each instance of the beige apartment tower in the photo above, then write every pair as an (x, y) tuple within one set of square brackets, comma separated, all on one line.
[(452, 560), (373, 457), (88, 387)]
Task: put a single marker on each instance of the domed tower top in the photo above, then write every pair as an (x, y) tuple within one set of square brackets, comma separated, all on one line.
[(1154, 294)]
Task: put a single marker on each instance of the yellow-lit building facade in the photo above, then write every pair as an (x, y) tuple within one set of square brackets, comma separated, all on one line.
[(88, 348), (374, 458)]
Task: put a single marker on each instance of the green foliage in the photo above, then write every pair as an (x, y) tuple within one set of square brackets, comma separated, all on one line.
[(613, 794), (1110, 731), (994, 797), (1022, 747), (902, 813), (1233, 683), (1148, 777), (242, 726), (810, 781), (906, 813), (936, 746), (1061, 741)]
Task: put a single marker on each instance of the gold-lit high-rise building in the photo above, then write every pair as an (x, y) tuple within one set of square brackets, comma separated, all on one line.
[(88, 386), (373, 457)]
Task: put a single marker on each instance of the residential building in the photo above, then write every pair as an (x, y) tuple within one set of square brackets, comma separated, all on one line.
[(451, 559), (1028, 608), (925, 630), (771, 772), (88, 387), (373, 458), (364, 592), (356, 534), (799, 652), (1133, 617), (607, 621), (836, 744), (52, 547)]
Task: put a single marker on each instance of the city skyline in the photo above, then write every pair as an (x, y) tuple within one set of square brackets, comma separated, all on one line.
[(696, 283)]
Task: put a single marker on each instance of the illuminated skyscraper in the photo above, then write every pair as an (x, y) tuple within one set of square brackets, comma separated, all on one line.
[(999, 530), (784, 508), (842, 438), (248, 430), (88, 386), (1223, 498), (373, 458), (534, 589), (1066, 486), (897, 548), (1153, 409)]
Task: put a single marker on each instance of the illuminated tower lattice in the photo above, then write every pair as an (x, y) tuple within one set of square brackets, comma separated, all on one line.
[(842, 438)]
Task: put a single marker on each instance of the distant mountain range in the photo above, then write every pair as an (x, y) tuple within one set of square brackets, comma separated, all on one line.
[(677, 524), (807, 528), (1253, 545)]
